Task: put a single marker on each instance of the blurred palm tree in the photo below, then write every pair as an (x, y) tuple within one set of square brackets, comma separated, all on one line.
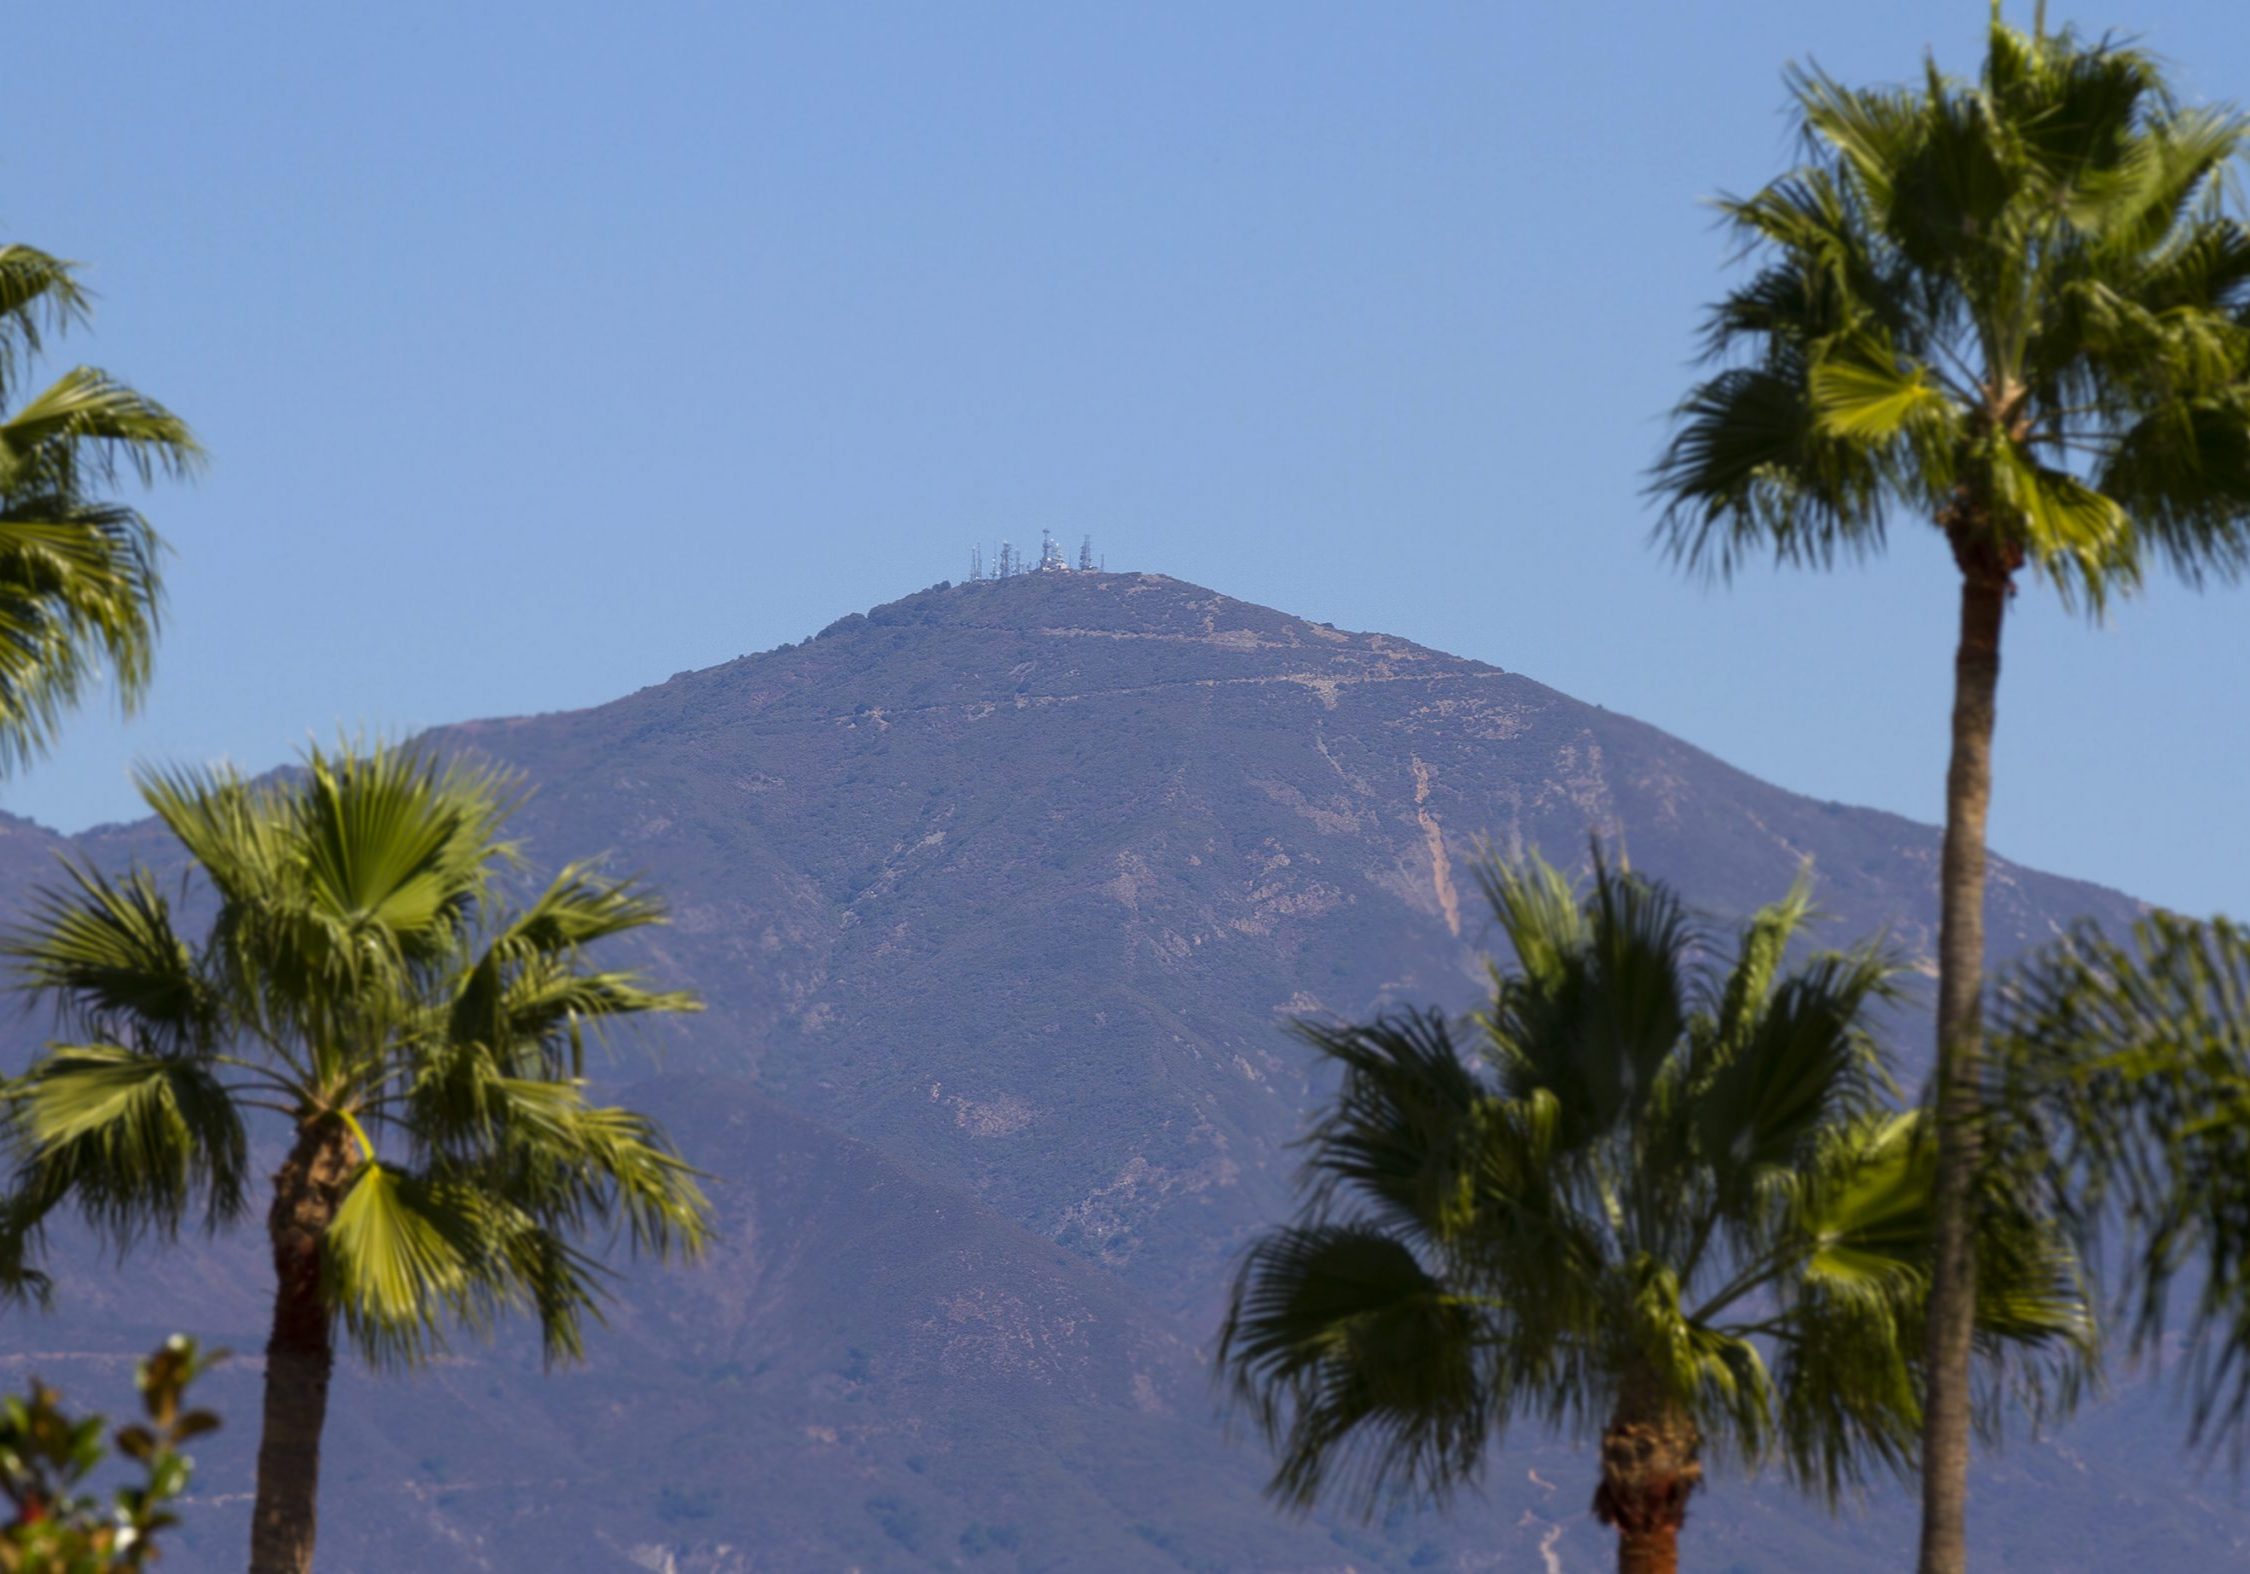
[(365, 981), (1655, 1195), (79, 586), (2122, 1071)]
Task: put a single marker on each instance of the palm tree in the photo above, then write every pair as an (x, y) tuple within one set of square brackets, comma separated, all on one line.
[(78, 572), (364, 986), (2015, 307), (1659, 1196), (2122, 1073)]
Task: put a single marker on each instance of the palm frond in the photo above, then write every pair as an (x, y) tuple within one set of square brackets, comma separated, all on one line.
[(230, 828), (134, 1140), (83, 429), (2138, 203), (590, 1164), (1803, 1067), (105, 954), (1401, 1137), (1850, 1400), (1759, 952), (1752, 472), (2205, 270), (401, 1259), (23, 1283), (528, 994), (79, 602), (563, 1286), (2182, 470), (2125, 1076), (39, 295), (1870, 395), (1600, 1006), (2080, 538), (396, 847), (1866, 1217), (1851, 1318), (1359, 1367)]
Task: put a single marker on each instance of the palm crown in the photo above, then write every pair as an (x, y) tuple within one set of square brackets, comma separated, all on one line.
[(2017, 307), (78, 572), (364, 979), (1658, 1194)]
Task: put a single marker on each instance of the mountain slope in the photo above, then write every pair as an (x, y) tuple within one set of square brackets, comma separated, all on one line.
[(1018, 878), (1000, 895)]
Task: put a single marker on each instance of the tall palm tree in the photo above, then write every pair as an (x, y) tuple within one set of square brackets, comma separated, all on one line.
[(1658, 1195), (78, 571), (365, 988), (2017, 308)]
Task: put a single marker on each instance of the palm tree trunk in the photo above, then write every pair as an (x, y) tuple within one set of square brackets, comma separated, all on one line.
[(1953, 1284), (299, 1356), (1650, 1467)]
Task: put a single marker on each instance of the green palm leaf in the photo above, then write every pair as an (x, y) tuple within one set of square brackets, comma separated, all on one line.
[(401, 1258), (606, 1163), (1870, 396), (1358, 1364), (1803, 1064), (395, 850), (83, 428), (132, 1139), (38, 296), (79, 587), (105, 953), (2125, 1084), (1868, 1219)]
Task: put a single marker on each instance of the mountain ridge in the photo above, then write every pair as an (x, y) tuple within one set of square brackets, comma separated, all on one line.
[(896, 612), (1000, 894)]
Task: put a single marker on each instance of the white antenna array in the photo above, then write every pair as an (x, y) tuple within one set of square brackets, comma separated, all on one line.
[(1007, 563)]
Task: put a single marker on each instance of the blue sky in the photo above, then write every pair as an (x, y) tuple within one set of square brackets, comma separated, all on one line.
[(545, 352)]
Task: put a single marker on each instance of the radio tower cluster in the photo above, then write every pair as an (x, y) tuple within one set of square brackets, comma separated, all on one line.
[(1007, 563)]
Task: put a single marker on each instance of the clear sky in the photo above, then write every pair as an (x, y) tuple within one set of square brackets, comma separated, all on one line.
[(543, 352)]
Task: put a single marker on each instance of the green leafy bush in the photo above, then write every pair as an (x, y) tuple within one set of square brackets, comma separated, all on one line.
[(46, 1458)]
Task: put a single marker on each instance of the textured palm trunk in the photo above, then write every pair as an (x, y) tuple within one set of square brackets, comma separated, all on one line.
[(1953, 1284), (298, 1355), (1651, 1465)]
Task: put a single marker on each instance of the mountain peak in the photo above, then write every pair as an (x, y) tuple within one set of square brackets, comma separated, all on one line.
[(1121, 605), (1049, 638)]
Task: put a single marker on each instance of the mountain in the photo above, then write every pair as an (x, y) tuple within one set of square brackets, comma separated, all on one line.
[(1000, 896)]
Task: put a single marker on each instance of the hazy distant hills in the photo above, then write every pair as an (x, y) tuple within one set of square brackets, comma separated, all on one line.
[(999, 895)]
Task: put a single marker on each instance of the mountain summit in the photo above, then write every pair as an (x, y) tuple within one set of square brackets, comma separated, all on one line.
[(1000, 895)]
